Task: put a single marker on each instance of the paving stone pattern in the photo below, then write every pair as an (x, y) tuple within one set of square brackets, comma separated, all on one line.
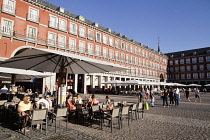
[(189, 120)]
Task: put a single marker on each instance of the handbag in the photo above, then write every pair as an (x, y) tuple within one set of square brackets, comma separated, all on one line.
[(146, 106)]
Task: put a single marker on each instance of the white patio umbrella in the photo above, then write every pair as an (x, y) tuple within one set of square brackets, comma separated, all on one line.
[(115, 82), (21, 74), (193, 85), (131, 82), (178, 84), (58, 61), (207, 85)]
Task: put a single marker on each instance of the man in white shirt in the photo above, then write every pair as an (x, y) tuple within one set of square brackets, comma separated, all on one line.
[(46, 100)]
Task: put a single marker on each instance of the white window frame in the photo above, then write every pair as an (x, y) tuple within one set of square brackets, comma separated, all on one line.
[(208, 75), (176, 62), (61, 41), (117, 55), (200, 59), (62, 24), (201, 67), (29, 36), (201, 75), (194, 60), (122, 45), (105, 52), (188, 68), (98, 37), (90, 48), (188, 61), (90, 34), (82, 31), (195, 75), (105, 39), (81, 46), (9, 6), (5, 28), (188, 76), (111, 53), (117, 43), (52, 23), (72, 44), (73, 28), (98, 50), (207, 58), (181, 61), (52, 41), (31, 16), (195, 67), (111, 42), (182, 76)]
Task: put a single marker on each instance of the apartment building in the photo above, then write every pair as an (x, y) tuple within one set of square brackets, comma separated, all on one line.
[(190, 66), (37, 23)]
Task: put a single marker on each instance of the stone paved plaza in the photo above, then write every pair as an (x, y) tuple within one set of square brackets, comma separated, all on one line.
[(189, 120)]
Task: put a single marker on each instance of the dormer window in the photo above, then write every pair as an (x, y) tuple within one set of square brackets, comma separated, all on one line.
[(208, 51), (172, 56), (182, 55), (194, 53)]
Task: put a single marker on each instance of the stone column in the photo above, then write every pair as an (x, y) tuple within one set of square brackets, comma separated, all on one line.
[(75, 82), (84, 84)]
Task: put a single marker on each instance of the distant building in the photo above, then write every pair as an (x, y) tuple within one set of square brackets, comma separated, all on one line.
[(190, 66), (37, 23)]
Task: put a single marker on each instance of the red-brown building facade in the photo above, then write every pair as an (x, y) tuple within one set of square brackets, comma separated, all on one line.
[(37, 23)]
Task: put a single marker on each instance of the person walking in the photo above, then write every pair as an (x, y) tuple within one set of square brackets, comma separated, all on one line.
[(176, 96), (165, 98), (171, 96), (197, 95), (187, 93), (152, 97)]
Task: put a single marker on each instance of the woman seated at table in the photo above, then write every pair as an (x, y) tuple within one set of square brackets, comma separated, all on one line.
[(94, 100), (78, 99), (23, 107), (69, 103)]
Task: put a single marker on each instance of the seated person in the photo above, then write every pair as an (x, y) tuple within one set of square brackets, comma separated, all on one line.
[(46, 100), (78, 99), (94, 100), (23, 107), (108, 103), (69, 103)]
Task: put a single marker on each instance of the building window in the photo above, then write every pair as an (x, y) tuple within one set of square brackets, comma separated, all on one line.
[(117, 44), (122, 57), (62, 24), (194, 60), (195, 75), (136, 60), (200, 59), (123, 45), (7, 26), (188, 61), (90, 48), (53, 21), (182, 61), (104, 39), (61, 41), (73, 28), (82, 46), (188, 68), (98, 50), (182, 68), (127, 58), (207, 58), (188, 76), (90, 34), (9, 6), (176, 62), (171, 62), (105, 52), (177, 76), (51, 38), (182, 76), (33, 14), (82, 31), (208, 66), (31, 33), (201, 75), (72, 43), (176, 69), (98, 37), (194, 67), (201, 67), (111, 52), (127, 47), (111, 42), (208, 74)]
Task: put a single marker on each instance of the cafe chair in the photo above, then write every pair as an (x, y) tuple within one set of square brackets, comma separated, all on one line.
[(82, 113), (134, 111), (39, 116), (140, 109), (2, 108), (61, 114), (125, 115), (115, 116), (96, 114)]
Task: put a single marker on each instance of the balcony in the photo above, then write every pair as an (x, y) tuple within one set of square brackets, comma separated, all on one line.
[(8, 9), (33, 18)]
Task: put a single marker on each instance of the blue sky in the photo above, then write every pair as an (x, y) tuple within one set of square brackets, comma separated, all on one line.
[(180, 24)]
